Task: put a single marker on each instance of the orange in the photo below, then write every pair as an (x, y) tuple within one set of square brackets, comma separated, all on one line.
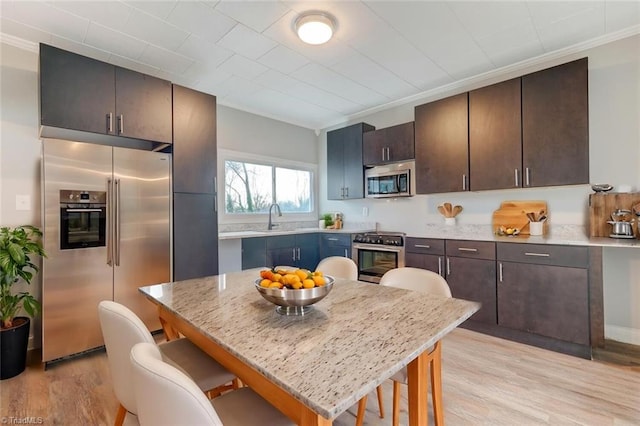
[(276, 278), (297, 285), (265, 273), (302, 273), (265, 283), (317, 273), (319, 280), (308, 283), (275, 285)]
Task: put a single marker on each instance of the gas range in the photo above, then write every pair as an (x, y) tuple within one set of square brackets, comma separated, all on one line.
[(380, 238)]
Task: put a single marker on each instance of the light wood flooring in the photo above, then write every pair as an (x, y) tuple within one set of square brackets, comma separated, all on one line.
[(486, 381)]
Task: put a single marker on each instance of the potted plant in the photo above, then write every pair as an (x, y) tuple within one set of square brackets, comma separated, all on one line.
[(328, 220), (16, 246)]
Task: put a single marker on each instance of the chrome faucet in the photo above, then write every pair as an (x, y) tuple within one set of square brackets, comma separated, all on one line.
[(271, 224)]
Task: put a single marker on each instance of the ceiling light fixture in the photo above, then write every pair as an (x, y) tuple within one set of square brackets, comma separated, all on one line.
[(315, 27)]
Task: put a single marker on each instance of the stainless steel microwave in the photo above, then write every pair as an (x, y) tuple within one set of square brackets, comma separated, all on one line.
[(390, 180)]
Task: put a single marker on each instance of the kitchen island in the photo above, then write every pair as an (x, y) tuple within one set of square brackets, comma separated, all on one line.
[(315, 366)]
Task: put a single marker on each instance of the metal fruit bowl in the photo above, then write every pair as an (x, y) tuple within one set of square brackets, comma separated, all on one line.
[(295, 302)]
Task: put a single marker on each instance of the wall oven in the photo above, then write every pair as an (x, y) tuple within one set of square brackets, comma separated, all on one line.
[(83, 219), (377, 253)]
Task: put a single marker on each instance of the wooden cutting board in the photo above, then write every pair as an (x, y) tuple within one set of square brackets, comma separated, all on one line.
[(513, 214), (602, 204)]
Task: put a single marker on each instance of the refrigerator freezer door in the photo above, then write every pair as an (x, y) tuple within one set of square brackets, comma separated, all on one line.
[(142, 251), (73, 281)]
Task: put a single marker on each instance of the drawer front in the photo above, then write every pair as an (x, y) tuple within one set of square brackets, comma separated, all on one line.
[(331, 240), (424, 245), (544, 254), (472, 249)]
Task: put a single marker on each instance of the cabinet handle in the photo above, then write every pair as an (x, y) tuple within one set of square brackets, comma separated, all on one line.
[(388, 156), (298, 252), (346, 190), (382, 153), (439, 266), (342, 192), (516, 176), (537, 254), (526, 177), (120, 124), (332, 239), (500, 271), (422, 245), (448, 267), (346, 253), (464, 182), (293, 254), (215, 194), (472, 250), (110, 121), (109, 230)]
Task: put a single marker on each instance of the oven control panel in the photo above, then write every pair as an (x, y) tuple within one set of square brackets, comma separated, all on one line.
[(380, 239)]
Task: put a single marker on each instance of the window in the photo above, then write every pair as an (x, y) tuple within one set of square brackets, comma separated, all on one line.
[(252, 186)]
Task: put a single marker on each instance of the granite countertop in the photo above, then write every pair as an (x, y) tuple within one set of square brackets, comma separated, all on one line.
[(356, 337), (264, 233), (558, 234)]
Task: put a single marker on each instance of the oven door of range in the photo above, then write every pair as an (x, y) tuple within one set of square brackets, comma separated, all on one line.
[(375, 260)]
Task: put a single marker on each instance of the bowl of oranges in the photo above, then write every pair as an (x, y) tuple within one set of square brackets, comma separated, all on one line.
[(293, 290)]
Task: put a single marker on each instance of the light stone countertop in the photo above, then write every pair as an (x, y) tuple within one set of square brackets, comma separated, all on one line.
[(251, 233), (355, 338), (558, 234)]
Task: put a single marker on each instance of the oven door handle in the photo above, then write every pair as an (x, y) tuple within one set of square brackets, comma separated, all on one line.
[(83, 210), (377, 248)]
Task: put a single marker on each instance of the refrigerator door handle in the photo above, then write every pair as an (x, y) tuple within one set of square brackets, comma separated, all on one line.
[(215, 195), (109, 224), (117, 221)]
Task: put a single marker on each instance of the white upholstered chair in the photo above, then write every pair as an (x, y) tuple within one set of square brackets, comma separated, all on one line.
[(343, 267), (427, 282), (122, 329), (338, 266), (167, 396)]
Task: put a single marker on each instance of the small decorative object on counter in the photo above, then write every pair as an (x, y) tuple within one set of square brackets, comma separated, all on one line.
[(601, 187), (338, 221), (536, 222), (449, 212), (328, 221)]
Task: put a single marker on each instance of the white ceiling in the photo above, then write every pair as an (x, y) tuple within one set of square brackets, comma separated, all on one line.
[(246, 53)]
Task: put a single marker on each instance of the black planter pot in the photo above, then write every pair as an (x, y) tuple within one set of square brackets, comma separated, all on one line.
[(13, 349)]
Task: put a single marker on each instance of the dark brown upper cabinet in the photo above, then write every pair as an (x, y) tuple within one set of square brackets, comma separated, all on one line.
[(194, 141), (83, 94), (345, 170), (442, 145), (555, 125), (495, 137), (389, 145)]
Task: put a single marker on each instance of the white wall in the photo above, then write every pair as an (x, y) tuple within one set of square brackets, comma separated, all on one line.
[(20, 146), (614, 121)]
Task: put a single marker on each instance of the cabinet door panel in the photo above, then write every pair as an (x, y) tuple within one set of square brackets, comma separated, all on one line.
[(401, 142), (353, 168), (335, 165), (144, 102), (254, 253), (495, 140), (281, 257), (195, 236), (555, 125), (76, 92), (309, 254), (373, 144), (424, 261), (441, 145), (194, 137), (547, 300), (474, 279)]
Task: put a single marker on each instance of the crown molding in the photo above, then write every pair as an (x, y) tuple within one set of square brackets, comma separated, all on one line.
[(18, 42)]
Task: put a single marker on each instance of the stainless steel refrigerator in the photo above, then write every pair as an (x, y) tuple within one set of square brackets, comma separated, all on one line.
[(107, 231)]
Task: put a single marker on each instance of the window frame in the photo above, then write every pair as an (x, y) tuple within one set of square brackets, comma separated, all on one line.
[(230, 218)]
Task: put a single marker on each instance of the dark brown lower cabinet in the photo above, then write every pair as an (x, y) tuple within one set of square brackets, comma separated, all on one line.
[(429, 262), (547, 300), (471, 274)]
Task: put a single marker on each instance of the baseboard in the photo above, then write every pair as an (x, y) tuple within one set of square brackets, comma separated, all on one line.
[(30, 345), (622, 334)]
